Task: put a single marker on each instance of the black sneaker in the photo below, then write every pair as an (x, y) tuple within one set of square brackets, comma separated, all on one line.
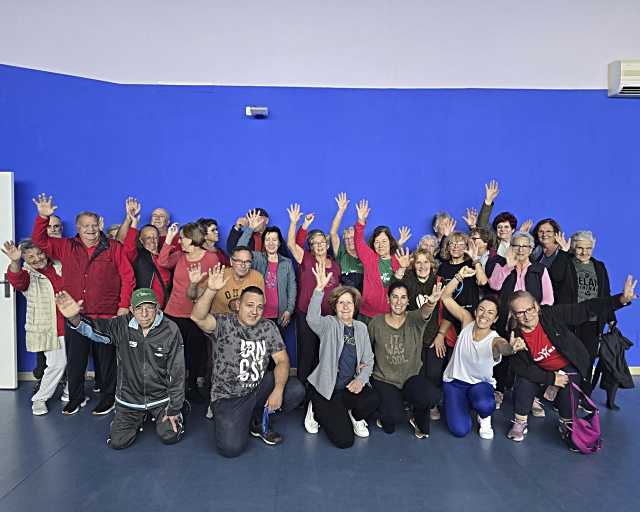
[(105, 406), (73, 406), (270, 437)]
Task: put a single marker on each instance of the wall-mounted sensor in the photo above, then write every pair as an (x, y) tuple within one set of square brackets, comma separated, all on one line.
[(256, 112)]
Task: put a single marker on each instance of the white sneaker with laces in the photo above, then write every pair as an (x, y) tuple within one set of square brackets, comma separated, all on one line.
[(360, 427), (310, 423), (485, 430)]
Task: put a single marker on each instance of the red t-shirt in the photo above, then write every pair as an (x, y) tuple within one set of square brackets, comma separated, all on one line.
[(544, 353), (271, 290)]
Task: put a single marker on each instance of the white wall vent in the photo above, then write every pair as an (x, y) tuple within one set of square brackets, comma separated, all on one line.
[(624, 79)]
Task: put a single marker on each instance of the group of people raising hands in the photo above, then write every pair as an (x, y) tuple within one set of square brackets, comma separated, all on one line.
[(383, 334)]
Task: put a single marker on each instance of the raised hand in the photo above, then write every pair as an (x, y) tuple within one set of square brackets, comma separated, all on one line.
[(322, 278), (12, 251), (253, 219), (472, 249), (67, 306), (216, 280), (101, 223), (510, 257), (526, 225), (517, 343), (564, 244), (195, 273), (362, 209), (405, 234), (342, 201), (172, 232), (436, 293), (132, 206), (294, 213), (308, 220), (404, 257), (465, 272), (45, 205), (629, 292), (447, 226), (491, 191), (471, 218)]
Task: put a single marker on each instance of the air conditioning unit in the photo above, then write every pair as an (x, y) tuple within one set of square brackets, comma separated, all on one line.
[(624, 79)]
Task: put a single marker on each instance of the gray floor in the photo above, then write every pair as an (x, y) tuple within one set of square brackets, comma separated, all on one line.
[(62, 463)]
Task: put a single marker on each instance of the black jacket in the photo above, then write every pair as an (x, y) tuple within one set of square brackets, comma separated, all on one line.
[(150, 368), (565, 283), (613, 363), (146, 271), (416, 289), (556, 322)]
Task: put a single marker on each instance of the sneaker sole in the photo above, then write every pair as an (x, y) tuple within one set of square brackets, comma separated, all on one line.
[(77, 409), (524, 433), (39, 413), (486, 436), (258, 435), (416, 431), (103, 413)]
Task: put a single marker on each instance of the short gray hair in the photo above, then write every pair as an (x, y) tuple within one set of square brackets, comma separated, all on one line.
[(87, 214), (524, 234), (586, 236)]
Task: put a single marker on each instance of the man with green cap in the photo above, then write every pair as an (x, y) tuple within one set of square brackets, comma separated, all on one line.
[(150, 365)]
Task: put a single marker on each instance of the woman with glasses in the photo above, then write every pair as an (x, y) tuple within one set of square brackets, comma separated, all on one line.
[(307, 343), (515, 272)]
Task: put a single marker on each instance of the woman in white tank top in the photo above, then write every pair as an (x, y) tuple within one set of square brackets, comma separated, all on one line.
[(468, 379)]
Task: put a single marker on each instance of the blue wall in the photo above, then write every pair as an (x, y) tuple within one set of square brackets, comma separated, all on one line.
[(564, 154)]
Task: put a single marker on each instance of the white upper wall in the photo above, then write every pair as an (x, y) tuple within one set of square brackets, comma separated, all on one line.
[(335, 43)]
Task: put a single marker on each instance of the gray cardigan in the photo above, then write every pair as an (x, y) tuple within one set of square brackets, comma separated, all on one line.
[(330, 330), (287, 288)]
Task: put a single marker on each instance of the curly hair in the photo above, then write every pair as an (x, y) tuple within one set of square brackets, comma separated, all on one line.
[(505, 217), (338, 292)]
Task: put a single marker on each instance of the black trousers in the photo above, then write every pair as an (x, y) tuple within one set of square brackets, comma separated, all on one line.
[(127, 422), (589, 335), (524, 391), (78, 348), (419, 392), (333, 417), (307, 348), (197, 354), (433, 366)]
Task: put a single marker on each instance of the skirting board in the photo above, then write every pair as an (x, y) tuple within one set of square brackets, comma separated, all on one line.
[(635, 370)]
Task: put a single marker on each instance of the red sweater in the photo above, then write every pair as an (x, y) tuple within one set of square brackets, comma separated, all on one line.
[(21, 280), (104, 280), (374, 295)]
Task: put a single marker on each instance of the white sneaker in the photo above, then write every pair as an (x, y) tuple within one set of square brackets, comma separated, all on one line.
[(65, 393), (360, 427), (485, 431), (39, 408), (310, 423), (536, 408), (209, 414)]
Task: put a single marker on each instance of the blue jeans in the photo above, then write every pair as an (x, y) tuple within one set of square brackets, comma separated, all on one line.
[(460, 397), (233, 416)]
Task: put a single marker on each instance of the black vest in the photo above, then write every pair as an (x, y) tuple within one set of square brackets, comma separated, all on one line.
[(532, 283), (145, 271)]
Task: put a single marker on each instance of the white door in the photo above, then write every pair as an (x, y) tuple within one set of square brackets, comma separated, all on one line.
[(8, 342)]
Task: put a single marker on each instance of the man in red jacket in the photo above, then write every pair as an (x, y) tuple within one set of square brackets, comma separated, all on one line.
[(94, 270)]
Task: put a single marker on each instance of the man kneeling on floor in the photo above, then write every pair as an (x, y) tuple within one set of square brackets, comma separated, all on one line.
[(150, 365), (243, 392)]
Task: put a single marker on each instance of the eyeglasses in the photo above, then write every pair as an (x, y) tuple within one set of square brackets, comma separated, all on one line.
[(319, 242), (146, 308), (244, 263), (458, 244), (518, 247), (476, 238), (526, 312)]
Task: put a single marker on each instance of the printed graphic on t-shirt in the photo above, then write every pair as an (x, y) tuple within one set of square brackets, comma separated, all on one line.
[(252, 360), (348, 337), (395, 350), (544, 353), (588, 284), (233, 299), (270, 279)]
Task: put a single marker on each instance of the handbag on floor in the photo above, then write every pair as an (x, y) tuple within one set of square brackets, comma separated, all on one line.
[(585, 432)]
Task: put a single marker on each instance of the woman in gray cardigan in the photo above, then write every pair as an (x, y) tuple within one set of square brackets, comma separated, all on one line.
[(277, 271), (340, 394)]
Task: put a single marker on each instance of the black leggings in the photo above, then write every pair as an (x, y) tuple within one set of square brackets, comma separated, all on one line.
[(589, 335), (433, 366), (307, 348), (196, 354), (524, 391), (417, 391), (333, 417)]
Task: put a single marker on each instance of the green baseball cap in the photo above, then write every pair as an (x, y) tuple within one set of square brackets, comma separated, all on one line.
[(143, 296)]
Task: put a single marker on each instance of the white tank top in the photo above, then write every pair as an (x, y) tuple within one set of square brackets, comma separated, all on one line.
[(472, 361)]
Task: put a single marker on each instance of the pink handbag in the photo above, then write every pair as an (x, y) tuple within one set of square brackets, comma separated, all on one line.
[(585, 432)]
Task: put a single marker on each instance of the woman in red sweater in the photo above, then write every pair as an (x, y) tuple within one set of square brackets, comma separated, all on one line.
[(379, 262), (179, 306)]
